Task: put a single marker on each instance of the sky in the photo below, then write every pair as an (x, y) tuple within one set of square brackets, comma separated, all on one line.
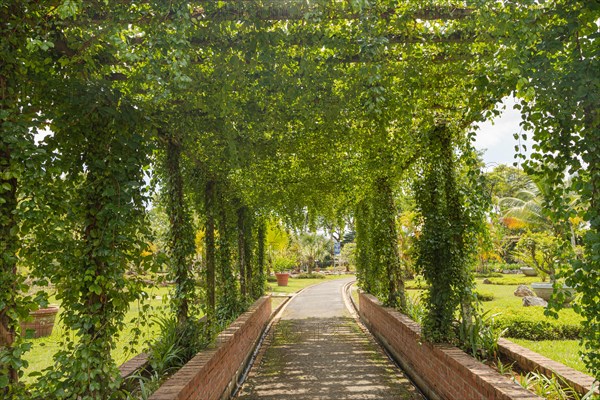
[(496, 136)]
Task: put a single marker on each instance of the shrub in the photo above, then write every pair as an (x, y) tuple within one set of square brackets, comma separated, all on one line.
[(488, 275), (417, 283), (513, 280), (532, 324), (310, 276), (549, 387), (271, 278), (283, 263), (506, 266), (480, 336), (485, 296), (415, 309)]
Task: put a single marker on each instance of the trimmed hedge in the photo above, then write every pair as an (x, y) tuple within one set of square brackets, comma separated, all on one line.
[(531, 323), (489, 275), (513, 280), (485, 296), (416, 284), (310, 276)]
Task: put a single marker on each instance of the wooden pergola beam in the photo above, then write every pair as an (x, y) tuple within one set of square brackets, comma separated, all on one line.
[(455, 37), (242, 10)]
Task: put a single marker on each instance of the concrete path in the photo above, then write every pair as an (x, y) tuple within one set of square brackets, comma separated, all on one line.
[(318, 351)]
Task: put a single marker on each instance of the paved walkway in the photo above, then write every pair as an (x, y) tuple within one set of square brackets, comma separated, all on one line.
[(318, 351)]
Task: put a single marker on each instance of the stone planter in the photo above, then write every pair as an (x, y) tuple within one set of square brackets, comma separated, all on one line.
[(282, 278), (528, 271), (545, 290), (41, 322)]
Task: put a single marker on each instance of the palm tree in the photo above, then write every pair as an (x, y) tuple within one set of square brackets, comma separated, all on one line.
[(277, 240), (312, 247), (525, 209)]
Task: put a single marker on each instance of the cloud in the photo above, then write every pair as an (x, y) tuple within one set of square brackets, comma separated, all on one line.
[(496, 136)]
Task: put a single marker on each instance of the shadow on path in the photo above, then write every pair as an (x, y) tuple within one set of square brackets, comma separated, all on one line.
[(323, 358)]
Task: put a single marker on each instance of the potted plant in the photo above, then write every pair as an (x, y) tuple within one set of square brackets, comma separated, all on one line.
[(546, 255), (281, 266), (40, 321)]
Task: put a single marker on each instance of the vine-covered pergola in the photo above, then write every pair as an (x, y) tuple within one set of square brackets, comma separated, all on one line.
[(238, 111)]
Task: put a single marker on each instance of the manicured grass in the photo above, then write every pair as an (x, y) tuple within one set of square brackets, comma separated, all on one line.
[(295, 285), (563, 351), (506, 301), (43, 349)]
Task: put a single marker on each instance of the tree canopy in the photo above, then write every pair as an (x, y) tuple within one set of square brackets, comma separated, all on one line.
[(243, 110)]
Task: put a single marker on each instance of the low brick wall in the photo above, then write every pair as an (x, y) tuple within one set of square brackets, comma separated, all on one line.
[(213, 373), (529, 361), (441, 372), (133, 365)]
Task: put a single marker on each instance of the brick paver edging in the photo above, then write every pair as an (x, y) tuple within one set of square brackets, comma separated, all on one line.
[(440, 371), (529, 361), (212, 373)]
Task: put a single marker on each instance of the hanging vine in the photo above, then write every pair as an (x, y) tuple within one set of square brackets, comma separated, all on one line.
[(227, 290), (91, 243), (259, 277), (442, 254), (181, 247), (210, 244)]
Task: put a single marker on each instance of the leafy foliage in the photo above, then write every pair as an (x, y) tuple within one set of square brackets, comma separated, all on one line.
[(556, 81), (243, 117), (543, 252), (533, 325), (444, 251)]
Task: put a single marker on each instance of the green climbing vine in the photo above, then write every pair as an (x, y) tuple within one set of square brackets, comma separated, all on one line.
[(180, 234), (92, 240), (378, 255), (443, 255)]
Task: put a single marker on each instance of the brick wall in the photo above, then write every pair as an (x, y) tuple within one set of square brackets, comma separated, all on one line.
[(212, 373), (133, 365), (441, 372)]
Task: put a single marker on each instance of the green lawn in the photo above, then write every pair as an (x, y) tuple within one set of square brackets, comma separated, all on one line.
[(295, 285), (43, 349), (506, 302), (564, 351)]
